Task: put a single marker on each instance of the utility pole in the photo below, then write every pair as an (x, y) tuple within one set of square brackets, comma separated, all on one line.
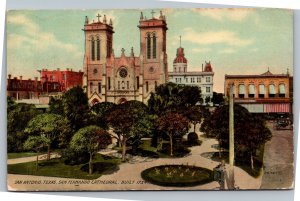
[(230, 183)]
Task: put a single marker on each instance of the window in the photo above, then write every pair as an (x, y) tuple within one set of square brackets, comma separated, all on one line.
[(272, 90), (138, 82), (251, 91), (186, 80), (52, 77), (261, 91), (98, 49), (123, 73), (108, 80), (148, 46), (241, 91), (147, 87), (154, 47), (207, 79), (207, 89), (99, 87), (199, 79), (93, 49), (282, 90), (91, 87)]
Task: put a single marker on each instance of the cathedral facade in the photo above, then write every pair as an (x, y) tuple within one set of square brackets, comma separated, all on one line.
[(117, 79)]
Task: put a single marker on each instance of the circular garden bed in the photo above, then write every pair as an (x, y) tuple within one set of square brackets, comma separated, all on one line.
[(177, 175)]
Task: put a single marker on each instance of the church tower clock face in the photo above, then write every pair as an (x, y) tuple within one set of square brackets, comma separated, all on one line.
[(123, 73)]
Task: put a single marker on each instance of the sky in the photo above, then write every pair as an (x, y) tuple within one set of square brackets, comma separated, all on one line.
[(236, 41)]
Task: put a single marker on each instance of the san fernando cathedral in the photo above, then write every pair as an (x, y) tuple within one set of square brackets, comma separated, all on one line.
[(110, 78)]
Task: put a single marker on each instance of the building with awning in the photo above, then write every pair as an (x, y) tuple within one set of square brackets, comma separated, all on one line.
[(266, 93)]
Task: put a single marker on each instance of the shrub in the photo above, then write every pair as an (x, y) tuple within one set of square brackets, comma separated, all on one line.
[(71, 157), (193, 139)]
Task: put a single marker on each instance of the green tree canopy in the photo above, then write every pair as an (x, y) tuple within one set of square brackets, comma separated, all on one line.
[(88, 139), (52, 126), (99, 113), (76, 108), (18, 115)]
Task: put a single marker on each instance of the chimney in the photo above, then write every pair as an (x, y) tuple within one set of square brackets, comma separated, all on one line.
[(9, 76), (21, 77), (58, 69), (71, 70), (202, 67), (36, 78), (67, 69)]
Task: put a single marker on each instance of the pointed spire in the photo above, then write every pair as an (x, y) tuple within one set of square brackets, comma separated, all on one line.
[(142, 16), (110, 22), (86, 20), (161, 15), (180, 41), (132, 53), (152, 12), (104, 19)]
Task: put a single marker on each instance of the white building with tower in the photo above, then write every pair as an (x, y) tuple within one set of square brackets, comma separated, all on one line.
[(202, 79)]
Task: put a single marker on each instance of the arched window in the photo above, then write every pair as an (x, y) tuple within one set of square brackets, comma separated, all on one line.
[(148, 46), (93, 48), (99, 87), (98, 48), (272, 90), (154, 46), (241, 91), (261, 93), (91, 87), (251, 93), (282, 90)]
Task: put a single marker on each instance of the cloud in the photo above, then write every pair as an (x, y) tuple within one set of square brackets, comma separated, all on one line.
[(227, 51), (201, 50), (215, 37), (30, 47), (220, 14)]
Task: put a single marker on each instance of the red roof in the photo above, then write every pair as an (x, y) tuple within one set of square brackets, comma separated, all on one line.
[(208, 67), (180, 56)]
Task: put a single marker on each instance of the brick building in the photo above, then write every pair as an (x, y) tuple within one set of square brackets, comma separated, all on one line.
[(67, 79), (265, 93)]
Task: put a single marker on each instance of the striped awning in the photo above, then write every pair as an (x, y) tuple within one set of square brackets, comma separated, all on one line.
[(277, 108)]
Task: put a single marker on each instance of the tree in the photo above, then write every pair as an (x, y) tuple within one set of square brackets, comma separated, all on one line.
[(171, 96), (52, 126), (56, 106), (250, 132), (76, 108), (18, 115), (217, 98), (36, 143), (100, 111), (173, 124), (88, 139), (130, 120)]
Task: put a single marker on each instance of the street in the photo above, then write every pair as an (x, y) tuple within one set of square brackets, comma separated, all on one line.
[(278, 160)]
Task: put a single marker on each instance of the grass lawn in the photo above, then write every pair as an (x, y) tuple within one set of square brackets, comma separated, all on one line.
[(57, 168), (20, 155)]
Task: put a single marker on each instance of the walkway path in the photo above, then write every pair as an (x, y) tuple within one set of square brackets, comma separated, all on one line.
[(129, 175)]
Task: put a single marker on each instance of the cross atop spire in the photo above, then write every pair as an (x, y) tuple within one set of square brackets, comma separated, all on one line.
[(180, 40), (98, 16), (152, 12)]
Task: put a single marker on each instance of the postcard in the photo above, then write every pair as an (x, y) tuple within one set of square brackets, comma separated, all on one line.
[(162, 99)]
